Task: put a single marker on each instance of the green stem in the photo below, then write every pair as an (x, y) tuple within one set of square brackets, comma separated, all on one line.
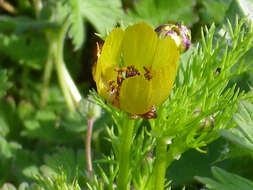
[(124, 154), (76, 96), (47, 74), (37, 7), (60, 66), (160, 165)]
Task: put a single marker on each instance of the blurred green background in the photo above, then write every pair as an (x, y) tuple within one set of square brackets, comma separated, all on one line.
[(39, 136)]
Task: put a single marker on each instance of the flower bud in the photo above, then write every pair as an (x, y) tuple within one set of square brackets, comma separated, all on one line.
[(178, 32), (92, 110)]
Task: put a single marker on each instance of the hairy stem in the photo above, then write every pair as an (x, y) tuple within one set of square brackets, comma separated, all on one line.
[(88, 146), (124, 154), (160, 165)]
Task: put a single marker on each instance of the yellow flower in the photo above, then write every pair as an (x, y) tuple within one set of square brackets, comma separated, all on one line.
[(136, 69)]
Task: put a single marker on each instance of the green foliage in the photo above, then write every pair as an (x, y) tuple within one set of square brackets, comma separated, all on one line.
[(56, 183), (20, 24), (210, 9), (159, 12), (65, 161), (77, 28), (53, 126), (242, 135), (20, 48), (245, 8), (225, 181), (103, 15), (4, 83), (8, 186), (46, 183), (201, 98), (200, 105)]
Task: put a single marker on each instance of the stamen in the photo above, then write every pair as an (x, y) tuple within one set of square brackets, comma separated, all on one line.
[(120, 79), (123, 73), (131, 72), (147, 75)]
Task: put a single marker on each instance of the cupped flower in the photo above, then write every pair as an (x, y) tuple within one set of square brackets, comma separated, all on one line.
[(136, 69)]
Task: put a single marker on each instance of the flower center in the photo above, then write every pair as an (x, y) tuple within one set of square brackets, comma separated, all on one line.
[(123, 73)]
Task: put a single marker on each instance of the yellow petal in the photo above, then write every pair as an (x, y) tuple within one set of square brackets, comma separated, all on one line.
[(135, 95), (139, 45), (108, 61), (164, 70), (102, 88), (167, 53), (162, 83), (110, 55)]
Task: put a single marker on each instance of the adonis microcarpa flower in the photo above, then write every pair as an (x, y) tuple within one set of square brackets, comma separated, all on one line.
[(136, 68)]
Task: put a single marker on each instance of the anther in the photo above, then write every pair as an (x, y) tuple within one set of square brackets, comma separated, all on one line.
[(147, 75)]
